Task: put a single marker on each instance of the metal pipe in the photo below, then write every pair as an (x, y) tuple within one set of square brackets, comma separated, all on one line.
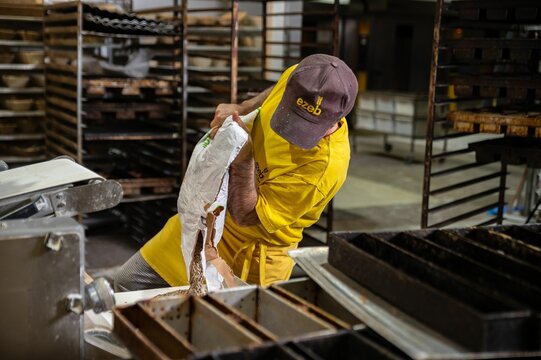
[(184, 88), (464, 200), (234, 49), (465, 183), (456, 169), (464, 216), (431, 114)]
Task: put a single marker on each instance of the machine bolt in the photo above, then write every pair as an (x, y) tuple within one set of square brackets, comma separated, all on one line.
[(74, 303), (54, 242), (60, 203)]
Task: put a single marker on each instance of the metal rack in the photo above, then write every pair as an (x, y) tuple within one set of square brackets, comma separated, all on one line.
[(128, 126), (485, 61), (213, 64), (21, 129), (250, 48)]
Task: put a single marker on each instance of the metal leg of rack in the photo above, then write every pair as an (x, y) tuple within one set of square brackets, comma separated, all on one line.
[(501, 196), (386, 145)]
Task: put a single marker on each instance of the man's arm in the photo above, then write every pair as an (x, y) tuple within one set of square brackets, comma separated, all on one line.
[(242, 197), (247, 106)]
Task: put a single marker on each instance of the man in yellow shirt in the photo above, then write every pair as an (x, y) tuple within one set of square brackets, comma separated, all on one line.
[(295, 162)]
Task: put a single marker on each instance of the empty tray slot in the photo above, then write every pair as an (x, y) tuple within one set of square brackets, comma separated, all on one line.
[(507, 244), (204, 326), (309, 290), (272, 312), (486, 255), (345, 345)]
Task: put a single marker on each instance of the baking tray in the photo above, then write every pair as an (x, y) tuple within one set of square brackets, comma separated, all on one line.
[(476, 317), (400, 329), (175, 326)]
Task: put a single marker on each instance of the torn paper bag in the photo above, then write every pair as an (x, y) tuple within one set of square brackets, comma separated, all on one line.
[(202, 203)]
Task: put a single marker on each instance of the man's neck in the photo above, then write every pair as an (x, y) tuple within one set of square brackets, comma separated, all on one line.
[(333, 129)]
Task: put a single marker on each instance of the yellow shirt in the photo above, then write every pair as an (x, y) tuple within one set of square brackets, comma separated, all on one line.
[(294, 186)]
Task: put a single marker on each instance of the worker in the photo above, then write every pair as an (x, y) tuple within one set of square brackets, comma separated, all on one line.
[(295, 161)]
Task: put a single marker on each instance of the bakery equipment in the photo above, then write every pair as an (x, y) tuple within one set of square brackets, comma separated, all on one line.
[(57, 187), (42, 288)]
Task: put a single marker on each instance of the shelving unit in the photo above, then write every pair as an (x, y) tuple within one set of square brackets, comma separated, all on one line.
[(482, 52), (21, 129), (127, 123), (254, 48), (213, 60)]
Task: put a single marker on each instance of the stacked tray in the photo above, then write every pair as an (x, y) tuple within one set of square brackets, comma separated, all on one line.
[(478, 287), (97, 19), (22, 120)]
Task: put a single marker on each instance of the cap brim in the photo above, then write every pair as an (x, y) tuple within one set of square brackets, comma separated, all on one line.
[(296, 129)]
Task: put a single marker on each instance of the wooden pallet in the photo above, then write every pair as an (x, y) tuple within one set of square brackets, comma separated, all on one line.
[(511, 86), (125, 110), (501, 10), (514, 123), (128, 87), (513, 51), (133, 187)]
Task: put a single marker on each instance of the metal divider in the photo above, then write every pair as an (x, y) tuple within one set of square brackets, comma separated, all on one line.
[(308, 290)]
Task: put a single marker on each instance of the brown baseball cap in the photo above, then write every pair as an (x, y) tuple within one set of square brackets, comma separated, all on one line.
[(319, 92)]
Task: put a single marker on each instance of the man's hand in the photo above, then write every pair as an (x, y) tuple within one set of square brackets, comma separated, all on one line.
[(247, 106), (236, 118), (223, 111)]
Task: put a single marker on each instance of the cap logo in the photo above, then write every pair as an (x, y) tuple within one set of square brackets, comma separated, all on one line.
[(314, 110)]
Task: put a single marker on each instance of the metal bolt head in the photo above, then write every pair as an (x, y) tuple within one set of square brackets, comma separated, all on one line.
[(74, 303), (54, 242)]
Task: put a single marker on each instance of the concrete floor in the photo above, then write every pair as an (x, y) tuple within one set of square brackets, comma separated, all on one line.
[(382, 192)]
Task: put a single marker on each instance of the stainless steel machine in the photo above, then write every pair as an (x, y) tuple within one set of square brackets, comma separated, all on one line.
[(42, 288)]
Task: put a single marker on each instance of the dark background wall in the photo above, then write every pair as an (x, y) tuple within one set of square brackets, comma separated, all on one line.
[(399, 47)]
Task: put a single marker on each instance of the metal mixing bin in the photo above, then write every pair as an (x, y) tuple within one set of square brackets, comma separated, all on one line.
[(171, 327)]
